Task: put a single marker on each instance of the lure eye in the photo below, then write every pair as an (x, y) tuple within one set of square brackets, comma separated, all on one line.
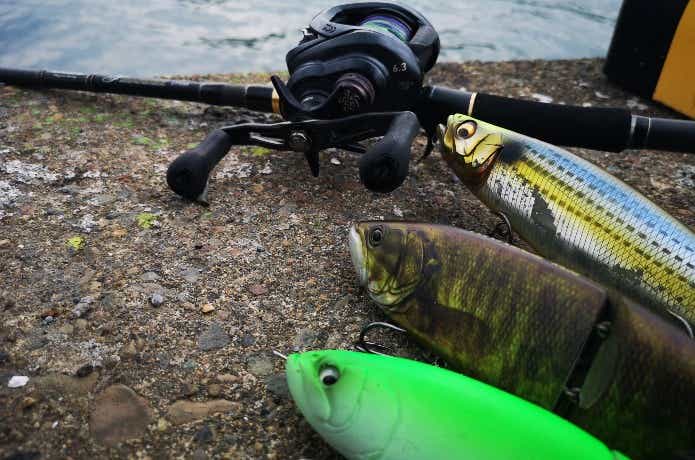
[(329, 375), (376, 236), (466, 129)]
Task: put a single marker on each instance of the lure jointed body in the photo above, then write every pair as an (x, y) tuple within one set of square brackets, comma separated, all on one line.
[(381, 407), (535, 329), (490, 310), (576, 214)]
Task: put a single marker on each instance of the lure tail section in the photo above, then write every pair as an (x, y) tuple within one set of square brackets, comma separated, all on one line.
[(638, 393)]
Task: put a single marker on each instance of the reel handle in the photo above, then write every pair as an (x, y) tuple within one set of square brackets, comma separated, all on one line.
[(384, 166), (188, 174)]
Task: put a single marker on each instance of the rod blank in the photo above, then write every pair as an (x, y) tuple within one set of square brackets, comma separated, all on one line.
[(251, 97)]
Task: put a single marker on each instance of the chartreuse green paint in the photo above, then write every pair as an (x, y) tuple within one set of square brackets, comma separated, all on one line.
[(382, 407)]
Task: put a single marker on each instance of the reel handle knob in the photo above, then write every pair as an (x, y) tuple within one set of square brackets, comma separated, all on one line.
[(385, 165), (188, 174)]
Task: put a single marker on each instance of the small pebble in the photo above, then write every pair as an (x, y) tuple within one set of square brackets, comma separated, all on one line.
[(156, 299), (542, 98), (18, 381), (260, 365), (247, 340), (28, 402), (149, 276), (257, 188), (37, 341), (227, 378), (203, 435), (82, 307), (277, 384), (207, 308), (305, 338), (162, 424), (189, 389), (258, 289), (213, 337), (191, 275), (129, 349), (84, 371), (214, 390)]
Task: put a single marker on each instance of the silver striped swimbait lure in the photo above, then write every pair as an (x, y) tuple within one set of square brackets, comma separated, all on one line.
[(574, 213)]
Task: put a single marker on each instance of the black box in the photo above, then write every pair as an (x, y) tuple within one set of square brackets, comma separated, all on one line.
[(653, 51)]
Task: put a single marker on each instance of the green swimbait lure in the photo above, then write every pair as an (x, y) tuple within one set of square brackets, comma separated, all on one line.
[(537, 330), (381, 407), (574, 213)]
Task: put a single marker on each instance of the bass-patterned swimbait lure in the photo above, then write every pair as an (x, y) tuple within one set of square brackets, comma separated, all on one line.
[(537, 330), (381, 407), (574, 213)]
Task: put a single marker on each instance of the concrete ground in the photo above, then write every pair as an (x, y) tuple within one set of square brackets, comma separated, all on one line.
[(145, 323)]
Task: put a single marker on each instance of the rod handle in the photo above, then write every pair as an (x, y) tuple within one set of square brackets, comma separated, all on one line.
[(599, 128), (589, 127)]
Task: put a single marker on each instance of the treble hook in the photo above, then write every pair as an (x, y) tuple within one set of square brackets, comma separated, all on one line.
[(503, 229), (684, 322), (431, 142), (372, 347)]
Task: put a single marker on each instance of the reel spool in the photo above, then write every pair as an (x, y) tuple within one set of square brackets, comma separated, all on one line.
[(356, 58), (387, 24)]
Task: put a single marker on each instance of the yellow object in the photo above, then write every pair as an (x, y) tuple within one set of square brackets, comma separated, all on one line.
[(77, 243), (276, 102), (146, 220), (676, 85)]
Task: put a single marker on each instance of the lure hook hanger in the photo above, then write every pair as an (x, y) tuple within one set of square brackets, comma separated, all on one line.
[(374, 348), (503, 229), (280, 355)]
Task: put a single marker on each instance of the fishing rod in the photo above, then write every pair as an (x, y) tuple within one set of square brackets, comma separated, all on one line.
[(367, 59)]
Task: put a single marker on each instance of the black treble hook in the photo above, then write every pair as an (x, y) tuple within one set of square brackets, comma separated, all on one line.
[(503, 229), (372, 347)]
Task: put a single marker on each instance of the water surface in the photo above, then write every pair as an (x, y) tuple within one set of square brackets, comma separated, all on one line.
[(156, 37)]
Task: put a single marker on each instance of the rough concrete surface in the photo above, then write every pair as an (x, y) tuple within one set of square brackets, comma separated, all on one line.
[(115, 292)]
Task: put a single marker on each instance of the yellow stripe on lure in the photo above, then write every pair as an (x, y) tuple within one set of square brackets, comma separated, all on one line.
[(574, 213)]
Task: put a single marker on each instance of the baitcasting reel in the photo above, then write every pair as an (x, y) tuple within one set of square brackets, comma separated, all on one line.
[(356, 58)]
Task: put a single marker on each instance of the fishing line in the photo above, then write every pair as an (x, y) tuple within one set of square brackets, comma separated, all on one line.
[(387, 24)]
